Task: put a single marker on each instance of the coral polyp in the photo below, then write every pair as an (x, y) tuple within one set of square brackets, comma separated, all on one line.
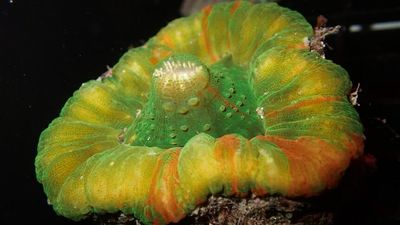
[(187, 98), (228, 101)]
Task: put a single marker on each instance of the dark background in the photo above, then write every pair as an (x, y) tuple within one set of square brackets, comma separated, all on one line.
[(48, 48)]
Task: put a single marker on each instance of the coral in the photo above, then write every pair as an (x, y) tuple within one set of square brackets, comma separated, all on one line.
[(229, 101)]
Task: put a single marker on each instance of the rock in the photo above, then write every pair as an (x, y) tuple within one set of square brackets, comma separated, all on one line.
[(271, 210)]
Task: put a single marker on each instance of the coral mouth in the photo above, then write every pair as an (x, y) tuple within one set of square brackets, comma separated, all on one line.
[(187, 98)]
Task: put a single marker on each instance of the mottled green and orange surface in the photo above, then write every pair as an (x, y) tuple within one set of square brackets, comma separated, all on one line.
[(227, 101)]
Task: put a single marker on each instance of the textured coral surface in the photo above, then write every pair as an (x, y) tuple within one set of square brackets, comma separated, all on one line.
[(227, 101)]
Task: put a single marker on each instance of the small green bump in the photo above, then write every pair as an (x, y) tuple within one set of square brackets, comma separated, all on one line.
[(229, 115), (232, 90), (239, 103), (228, 95), (173, 143), (243, 97), (183, 110), (248, 111), (242, 117), (152, 116), (206, 127), (171, 128), (222, 108), (193, 101), (184, 128), (168, 106), (152, 126), (236, 109), (172, 135)]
